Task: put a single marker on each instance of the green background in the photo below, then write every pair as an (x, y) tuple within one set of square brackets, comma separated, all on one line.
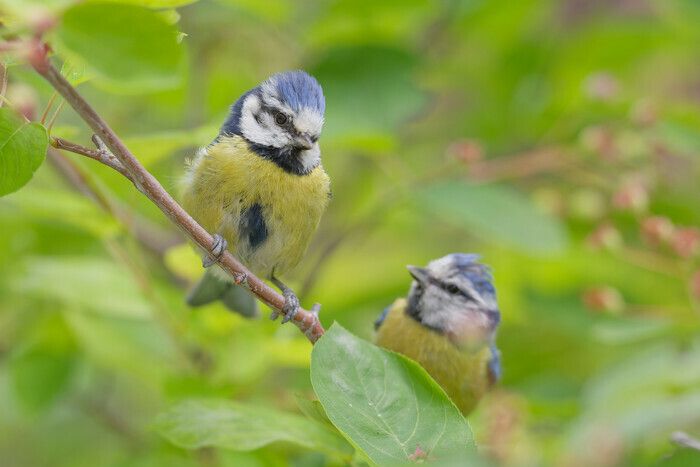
[(542, 135)]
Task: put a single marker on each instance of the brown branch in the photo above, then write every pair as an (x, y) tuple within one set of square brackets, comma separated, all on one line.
[(518, 166), (683, 439), (100, 156), (307, 322)]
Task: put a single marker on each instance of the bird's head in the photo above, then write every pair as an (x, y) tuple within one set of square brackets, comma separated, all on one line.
[(282, 119), (454, 295)]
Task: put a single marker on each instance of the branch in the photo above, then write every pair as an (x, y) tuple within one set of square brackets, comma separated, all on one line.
[(682, 438), (132, 169), (99, 155)]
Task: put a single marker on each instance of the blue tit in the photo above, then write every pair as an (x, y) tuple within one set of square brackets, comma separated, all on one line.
[(448, 325), (260, 187)]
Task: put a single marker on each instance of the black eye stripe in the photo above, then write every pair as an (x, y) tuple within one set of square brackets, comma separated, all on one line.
[(451, 288)]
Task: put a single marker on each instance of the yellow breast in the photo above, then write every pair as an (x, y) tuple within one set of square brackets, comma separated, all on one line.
[(227, 178), (463, 375)]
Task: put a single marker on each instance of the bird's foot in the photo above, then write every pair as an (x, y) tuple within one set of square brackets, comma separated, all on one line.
[(217, 250), (291, 303)]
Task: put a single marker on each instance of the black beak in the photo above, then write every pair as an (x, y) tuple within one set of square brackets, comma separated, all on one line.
[(304, 142), (419, 274)]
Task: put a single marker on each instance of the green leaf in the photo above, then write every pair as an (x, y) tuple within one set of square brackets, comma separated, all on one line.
[(39, 376), (154, 147), (312, 409), (494, 213), (95, 284), (650, 394), (386, 404), (383, 83), (22, 150), (127, 346), (194, 424), (131, 48)]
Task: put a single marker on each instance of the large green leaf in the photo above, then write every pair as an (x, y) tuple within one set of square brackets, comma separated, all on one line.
[(494, 213), (129, 47), (39, 376), (367, 101), (22, 150), (386, 404), (650, 394), (94, 284), (194, 424)]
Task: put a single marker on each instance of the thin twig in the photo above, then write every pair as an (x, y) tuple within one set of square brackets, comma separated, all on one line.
[(99, 156), (683, 439), (307, 322), (47, 109), (49, 126)]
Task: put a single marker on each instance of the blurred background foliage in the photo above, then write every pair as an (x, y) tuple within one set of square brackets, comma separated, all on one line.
[(558, 139)]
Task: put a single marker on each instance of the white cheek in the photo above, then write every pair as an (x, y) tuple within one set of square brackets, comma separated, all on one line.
[(311, 158), (265, 133)]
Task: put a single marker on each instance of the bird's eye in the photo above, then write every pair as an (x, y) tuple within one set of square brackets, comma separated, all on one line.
[(280, 118), (453, 289)]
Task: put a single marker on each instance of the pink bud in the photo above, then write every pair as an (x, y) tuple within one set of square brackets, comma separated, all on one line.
[(466, 150), (657, 230), (695, 284), (599, 140), (40, 20), (602, 86), (631, 196), (24, 98), (604, 299), (605, 237), (418, 454), (644, 113), (686, 241)]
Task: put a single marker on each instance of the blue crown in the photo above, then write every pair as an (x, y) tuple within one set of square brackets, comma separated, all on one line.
[(298, 89)]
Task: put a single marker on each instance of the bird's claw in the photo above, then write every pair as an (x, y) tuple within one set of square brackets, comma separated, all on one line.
[(291, 306), (217, 249)]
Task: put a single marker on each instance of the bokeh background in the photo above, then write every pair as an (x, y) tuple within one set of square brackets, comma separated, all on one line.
[(560, 140)]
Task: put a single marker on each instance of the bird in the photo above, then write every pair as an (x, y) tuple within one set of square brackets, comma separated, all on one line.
[(448, 325), (261, 188)]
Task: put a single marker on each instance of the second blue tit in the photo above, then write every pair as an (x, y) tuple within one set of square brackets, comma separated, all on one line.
[(260, 186), (448, 325)]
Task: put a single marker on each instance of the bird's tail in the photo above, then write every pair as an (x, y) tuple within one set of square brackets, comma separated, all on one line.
[(211, 288)]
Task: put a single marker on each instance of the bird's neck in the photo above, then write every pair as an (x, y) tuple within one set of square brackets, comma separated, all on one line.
[(291, 160)]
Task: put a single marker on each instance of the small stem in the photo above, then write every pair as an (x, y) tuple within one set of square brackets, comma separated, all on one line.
[(49, 126), (683, 439), (100, 156), (49, 104)]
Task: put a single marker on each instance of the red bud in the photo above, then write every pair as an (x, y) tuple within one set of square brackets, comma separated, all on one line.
[(695, 284), (606, 237), (686, 241), (657, 229), (604, 298), (632, 196), (466, 150)]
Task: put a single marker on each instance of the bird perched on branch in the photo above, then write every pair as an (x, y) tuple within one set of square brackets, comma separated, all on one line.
[(448, 325), (260, 187)]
